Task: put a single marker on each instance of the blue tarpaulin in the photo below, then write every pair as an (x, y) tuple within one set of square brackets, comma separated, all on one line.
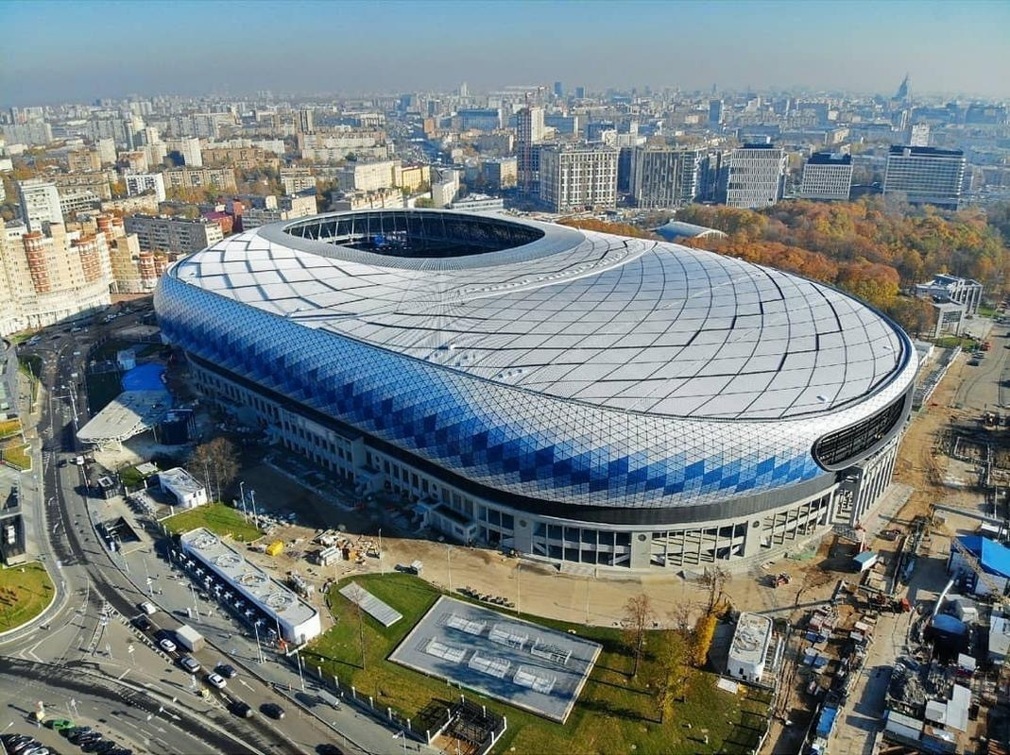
[(826, 722), (995, 558)]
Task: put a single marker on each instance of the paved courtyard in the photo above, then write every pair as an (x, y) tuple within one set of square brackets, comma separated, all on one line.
[(523, 664)]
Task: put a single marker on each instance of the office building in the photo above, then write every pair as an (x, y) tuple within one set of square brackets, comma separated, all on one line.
[(578, 177), (827, 176), (644, 413), (479, 119), (141, 183), (926, 175), (306, 122), (40, 203), (173, 234), (756, 175), (664, 176), (715, 110)]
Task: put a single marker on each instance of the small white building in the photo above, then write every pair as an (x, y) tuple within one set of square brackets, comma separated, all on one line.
[(188, 492), (999, 639), (749, 651)]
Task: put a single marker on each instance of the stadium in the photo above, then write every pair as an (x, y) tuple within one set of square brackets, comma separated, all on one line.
[(574, 396)]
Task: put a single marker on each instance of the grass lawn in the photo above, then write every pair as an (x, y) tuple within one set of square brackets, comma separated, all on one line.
[(613, 712), (102, 388), (24, 592), (218, 518), (130, 477), (10, 428), (17, 456), (31, 365)]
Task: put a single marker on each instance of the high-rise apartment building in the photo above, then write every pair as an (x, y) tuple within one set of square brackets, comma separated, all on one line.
[(172, 234), (50, 276), (529, 133), (106, 150), (306, 122), (926, 175), (188, 149), (139, 183), (502, 173), (827, 176), (664, 176), (918, 135), (40, 203), (578, 177), (756, 174)]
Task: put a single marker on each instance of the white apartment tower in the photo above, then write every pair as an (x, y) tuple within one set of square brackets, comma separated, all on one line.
[(578, 177), (139, 183), (40, 203), (664, 176), (827, 176), (529, 133), (756, 173)]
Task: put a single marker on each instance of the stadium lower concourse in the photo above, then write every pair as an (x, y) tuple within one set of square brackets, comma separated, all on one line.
[(575, 396)]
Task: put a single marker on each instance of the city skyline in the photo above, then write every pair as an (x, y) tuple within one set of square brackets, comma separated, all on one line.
[(320, 48)]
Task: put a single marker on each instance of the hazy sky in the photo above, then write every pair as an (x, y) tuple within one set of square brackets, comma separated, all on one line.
[(76, 51)]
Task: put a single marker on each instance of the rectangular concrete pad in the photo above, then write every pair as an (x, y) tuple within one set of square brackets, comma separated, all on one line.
[(533, 682)]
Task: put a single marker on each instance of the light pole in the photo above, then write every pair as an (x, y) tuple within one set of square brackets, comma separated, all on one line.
[(301, 676), (259, 648), (196, 609), (519, 594), (401, 735), (252, 498), (448, 559), (241, 490)]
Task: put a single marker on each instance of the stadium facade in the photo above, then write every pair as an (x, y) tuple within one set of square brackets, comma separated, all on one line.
[(575, 396)]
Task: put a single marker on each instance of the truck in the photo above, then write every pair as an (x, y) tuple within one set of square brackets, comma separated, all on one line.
[(189, 638)]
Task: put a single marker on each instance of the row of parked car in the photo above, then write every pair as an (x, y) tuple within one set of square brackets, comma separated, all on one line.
[(90, 741), (22, 744)]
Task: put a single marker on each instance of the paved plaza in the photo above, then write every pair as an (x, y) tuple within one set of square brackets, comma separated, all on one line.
[(523, 664)]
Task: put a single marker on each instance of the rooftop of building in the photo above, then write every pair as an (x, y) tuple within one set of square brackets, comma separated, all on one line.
[(900, 149), (750, 638)]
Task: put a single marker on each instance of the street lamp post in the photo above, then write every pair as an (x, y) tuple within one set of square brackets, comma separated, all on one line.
[(252, 499), (241, 490), (301, 676), (259, 648), (448, 559), (519, 594)]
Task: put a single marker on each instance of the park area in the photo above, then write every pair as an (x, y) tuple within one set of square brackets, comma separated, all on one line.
[(615, 712), (25, 591), (220, 519)]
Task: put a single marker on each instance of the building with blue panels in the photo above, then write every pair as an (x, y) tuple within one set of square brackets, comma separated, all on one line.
[(576, 396)]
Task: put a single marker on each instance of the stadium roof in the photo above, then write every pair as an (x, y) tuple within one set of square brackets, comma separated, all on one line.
[(616, 322)]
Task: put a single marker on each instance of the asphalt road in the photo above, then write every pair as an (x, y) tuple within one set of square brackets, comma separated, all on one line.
[(85, 626)]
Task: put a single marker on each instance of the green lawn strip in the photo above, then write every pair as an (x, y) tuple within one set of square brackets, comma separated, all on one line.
[(102, 388), (25, 591), (17, 456), (130, 477), (218, 518), (613, 712)]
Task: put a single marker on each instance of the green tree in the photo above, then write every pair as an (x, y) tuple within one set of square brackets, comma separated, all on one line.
[(669, 681), (216, 463), (638, 617)]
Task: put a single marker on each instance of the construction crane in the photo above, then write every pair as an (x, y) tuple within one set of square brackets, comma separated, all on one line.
[(995, 590)]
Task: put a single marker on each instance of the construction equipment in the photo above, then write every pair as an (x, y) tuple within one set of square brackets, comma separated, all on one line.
[(995, 591)]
